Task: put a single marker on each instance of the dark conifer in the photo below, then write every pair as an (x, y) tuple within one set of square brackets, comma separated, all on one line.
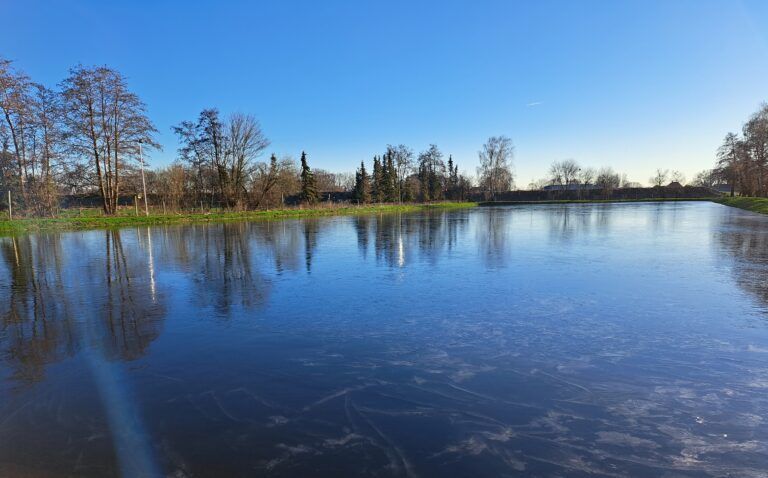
[(390, 179), (377, 181), (308, 187), (362, 187)]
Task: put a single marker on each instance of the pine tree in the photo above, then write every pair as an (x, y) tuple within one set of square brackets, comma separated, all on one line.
[(452, 185), (308, 188), (362, 187), (376, 180), (390, 179)]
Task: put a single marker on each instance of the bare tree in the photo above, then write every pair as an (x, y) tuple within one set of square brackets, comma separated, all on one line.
[(677, 176), (15, 105), (754, 147), (728, 161), (288, 183), (608, 180), (345, 181), (105, 123), (244, 143), (587, 176), (495, 170), (564, 173), (46, 157), (660, 177), (538, 184), (706, 178), (222, 153)]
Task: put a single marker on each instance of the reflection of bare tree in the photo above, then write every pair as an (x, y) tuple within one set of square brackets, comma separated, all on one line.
[(130, 317), (745, 238), (561, 224), (569, 221), (492, 233), (47, 315), (223, 267), (283, 241), (35, 332), (229, 263)]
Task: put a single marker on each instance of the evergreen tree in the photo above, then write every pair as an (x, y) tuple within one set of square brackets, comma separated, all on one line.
[(377, 181), (308, 188), (361, 192), (452, 183), (453, 172), (390, 179)]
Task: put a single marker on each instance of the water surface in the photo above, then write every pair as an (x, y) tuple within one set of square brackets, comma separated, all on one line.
[(578, 340)]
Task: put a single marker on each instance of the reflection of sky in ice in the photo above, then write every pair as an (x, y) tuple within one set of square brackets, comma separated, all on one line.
[(611, 340)]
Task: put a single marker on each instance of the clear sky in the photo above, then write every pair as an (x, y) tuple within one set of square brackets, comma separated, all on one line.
[(631, 84)]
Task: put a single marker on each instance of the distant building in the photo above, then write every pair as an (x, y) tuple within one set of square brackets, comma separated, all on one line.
[(675, 185)]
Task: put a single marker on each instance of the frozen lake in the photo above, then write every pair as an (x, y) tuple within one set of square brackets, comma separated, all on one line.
[(551, 340)]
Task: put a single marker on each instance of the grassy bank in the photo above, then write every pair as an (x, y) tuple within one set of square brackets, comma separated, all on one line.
[(759, 205), (589, 201), (89, 220)]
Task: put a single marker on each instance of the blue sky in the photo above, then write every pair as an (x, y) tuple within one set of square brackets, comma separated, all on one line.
[(634, 84)]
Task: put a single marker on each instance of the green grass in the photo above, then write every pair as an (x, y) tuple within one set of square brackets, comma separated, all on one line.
[(759, 205), (92, 219)]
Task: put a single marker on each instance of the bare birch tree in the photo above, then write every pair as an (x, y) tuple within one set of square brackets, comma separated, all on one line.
[(495, 170)]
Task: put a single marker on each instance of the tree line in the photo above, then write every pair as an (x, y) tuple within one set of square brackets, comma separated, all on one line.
[(91, 134), (742, 159), (399, 176)]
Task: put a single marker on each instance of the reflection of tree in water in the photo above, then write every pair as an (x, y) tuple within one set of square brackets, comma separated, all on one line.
[(220, 260), (131, 312), (362, 226), (283, 240), (569, 221), (35, 329), (745, 239), (52, 307), (398, 237), (492, 234), (311, 227)]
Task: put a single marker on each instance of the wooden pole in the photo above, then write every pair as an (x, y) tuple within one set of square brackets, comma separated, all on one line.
[(136, 203), (10, 207), (143, 182)]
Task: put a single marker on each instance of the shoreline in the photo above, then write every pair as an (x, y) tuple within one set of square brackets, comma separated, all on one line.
[(79, 223), (757, 205)]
